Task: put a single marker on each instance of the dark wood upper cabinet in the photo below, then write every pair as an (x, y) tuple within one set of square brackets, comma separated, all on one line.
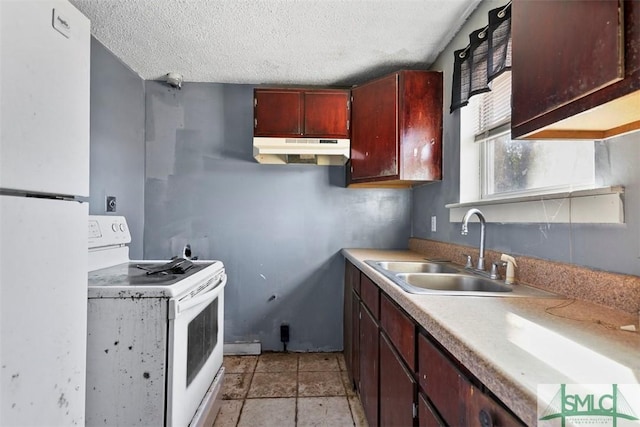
[(570, 57), (314, 113), (277, 112), (396, 132), (327, 113)]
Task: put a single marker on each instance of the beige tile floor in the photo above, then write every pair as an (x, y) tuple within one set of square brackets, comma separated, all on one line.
[(288, 389)]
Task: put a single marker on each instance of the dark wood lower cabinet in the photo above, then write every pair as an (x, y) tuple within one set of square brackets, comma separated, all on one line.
[(401, 373), (397, 388), (369, 365)]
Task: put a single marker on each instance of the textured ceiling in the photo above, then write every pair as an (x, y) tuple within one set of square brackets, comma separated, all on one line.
[(322, 42)]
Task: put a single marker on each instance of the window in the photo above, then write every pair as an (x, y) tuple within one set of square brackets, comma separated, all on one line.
[(509, 168), (515, 181)]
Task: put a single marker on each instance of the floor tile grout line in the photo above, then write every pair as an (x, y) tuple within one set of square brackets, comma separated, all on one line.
[(295, 414), (346, 396), (244, 400)]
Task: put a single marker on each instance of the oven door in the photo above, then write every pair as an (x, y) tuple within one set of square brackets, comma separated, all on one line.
[(195, 349)]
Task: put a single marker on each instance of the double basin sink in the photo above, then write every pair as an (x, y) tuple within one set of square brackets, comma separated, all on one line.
[(446, 278)]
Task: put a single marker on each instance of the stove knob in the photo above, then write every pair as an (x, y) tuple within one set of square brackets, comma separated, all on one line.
[(114, 227), (123, 228)]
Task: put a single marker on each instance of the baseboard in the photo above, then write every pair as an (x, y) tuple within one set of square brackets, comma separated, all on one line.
[(242, 348)]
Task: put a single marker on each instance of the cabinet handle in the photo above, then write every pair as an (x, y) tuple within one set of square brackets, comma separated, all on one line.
[(255, 123), (485, 418)]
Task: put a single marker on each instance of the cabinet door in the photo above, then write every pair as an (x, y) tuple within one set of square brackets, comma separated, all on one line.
[(374, 131), (555, 63), (278, 112), (326, 113), (351, 320), (355, 339), (420, 125), (347, 319), (397, 388), (369, 365)]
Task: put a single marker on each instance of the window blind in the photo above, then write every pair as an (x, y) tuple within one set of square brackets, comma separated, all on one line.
[(493, 109)]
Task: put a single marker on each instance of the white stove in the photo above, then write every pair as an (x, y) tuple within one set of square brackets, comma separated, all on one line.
[(155, 334)]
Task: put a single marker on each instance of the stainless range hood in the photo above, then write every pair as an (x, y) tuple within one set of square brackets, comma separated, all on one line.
[(317, 151)]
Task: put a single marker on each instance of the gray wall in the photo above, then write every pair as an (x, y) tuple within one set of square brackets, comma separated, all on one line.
[(277, 228), (117, 141), (607, 247)]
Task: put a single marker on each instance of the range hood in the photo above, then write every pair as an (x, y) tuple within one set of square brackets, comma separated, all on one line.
[(317, 151)]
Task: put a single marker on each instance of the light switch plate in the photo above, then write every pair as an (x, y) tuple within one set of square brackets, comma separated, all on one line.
[(433, 223)]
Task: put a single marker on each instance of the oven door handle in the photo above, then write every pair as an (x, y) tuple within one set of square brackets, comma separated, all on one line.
[(206, 295)]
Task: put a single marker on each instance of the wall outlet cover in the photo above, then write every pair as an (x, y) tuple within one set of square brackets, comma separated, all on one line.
[(111, 204), (433, 223)]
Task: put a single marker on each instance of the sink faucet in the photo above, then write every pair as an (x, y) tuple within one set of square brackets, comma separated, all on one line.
[(465, 230)]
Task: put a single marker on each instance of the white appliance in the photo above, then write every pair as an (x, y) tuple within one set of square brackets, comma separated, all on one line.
[(44, 176), (155, 334), (318, 151)]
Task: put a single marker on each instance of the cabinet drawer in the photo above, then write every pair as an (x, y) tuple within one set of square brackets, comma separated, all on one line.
[(426, 414), (370, 295), (482, 410), (352, 276), (442, 382), (400, 329)]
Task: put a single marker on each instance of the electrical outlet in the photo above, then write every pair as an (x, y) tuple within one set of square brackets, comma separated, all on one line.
[(111, 204), (433, 223), (284, 333)]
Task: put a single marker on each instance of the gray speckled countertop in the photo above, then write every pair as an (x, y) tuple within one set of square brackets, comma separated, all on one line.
[(514, 344)]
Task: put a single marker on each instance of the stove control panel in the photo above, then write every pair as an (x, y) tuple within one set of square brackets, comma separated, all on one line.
[(106, 230)]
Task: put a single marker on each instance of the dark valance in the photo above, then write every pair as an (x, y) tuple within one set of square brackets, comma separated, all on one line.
[(486, 57)]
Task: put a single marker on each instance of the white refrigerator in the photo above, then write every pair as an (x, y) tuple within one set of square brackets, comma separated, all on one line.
[(44, 183)]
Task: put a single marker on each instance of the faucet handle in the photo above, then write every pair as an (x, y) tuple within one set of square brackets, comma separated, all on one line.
[(469, 263), (495, 272)]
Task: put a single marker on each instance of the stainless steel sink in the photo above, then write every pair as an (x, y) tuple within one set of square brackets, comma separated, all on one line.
[(453, 283), (446, 278), (417, 267)]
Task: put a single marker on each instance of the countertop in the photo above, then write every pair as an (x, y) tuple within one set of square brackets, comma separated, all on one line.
[(514, 344)]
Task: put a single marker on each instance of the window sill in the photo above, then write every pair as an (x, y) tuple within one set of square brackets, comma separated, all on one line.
[(595, 206)]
